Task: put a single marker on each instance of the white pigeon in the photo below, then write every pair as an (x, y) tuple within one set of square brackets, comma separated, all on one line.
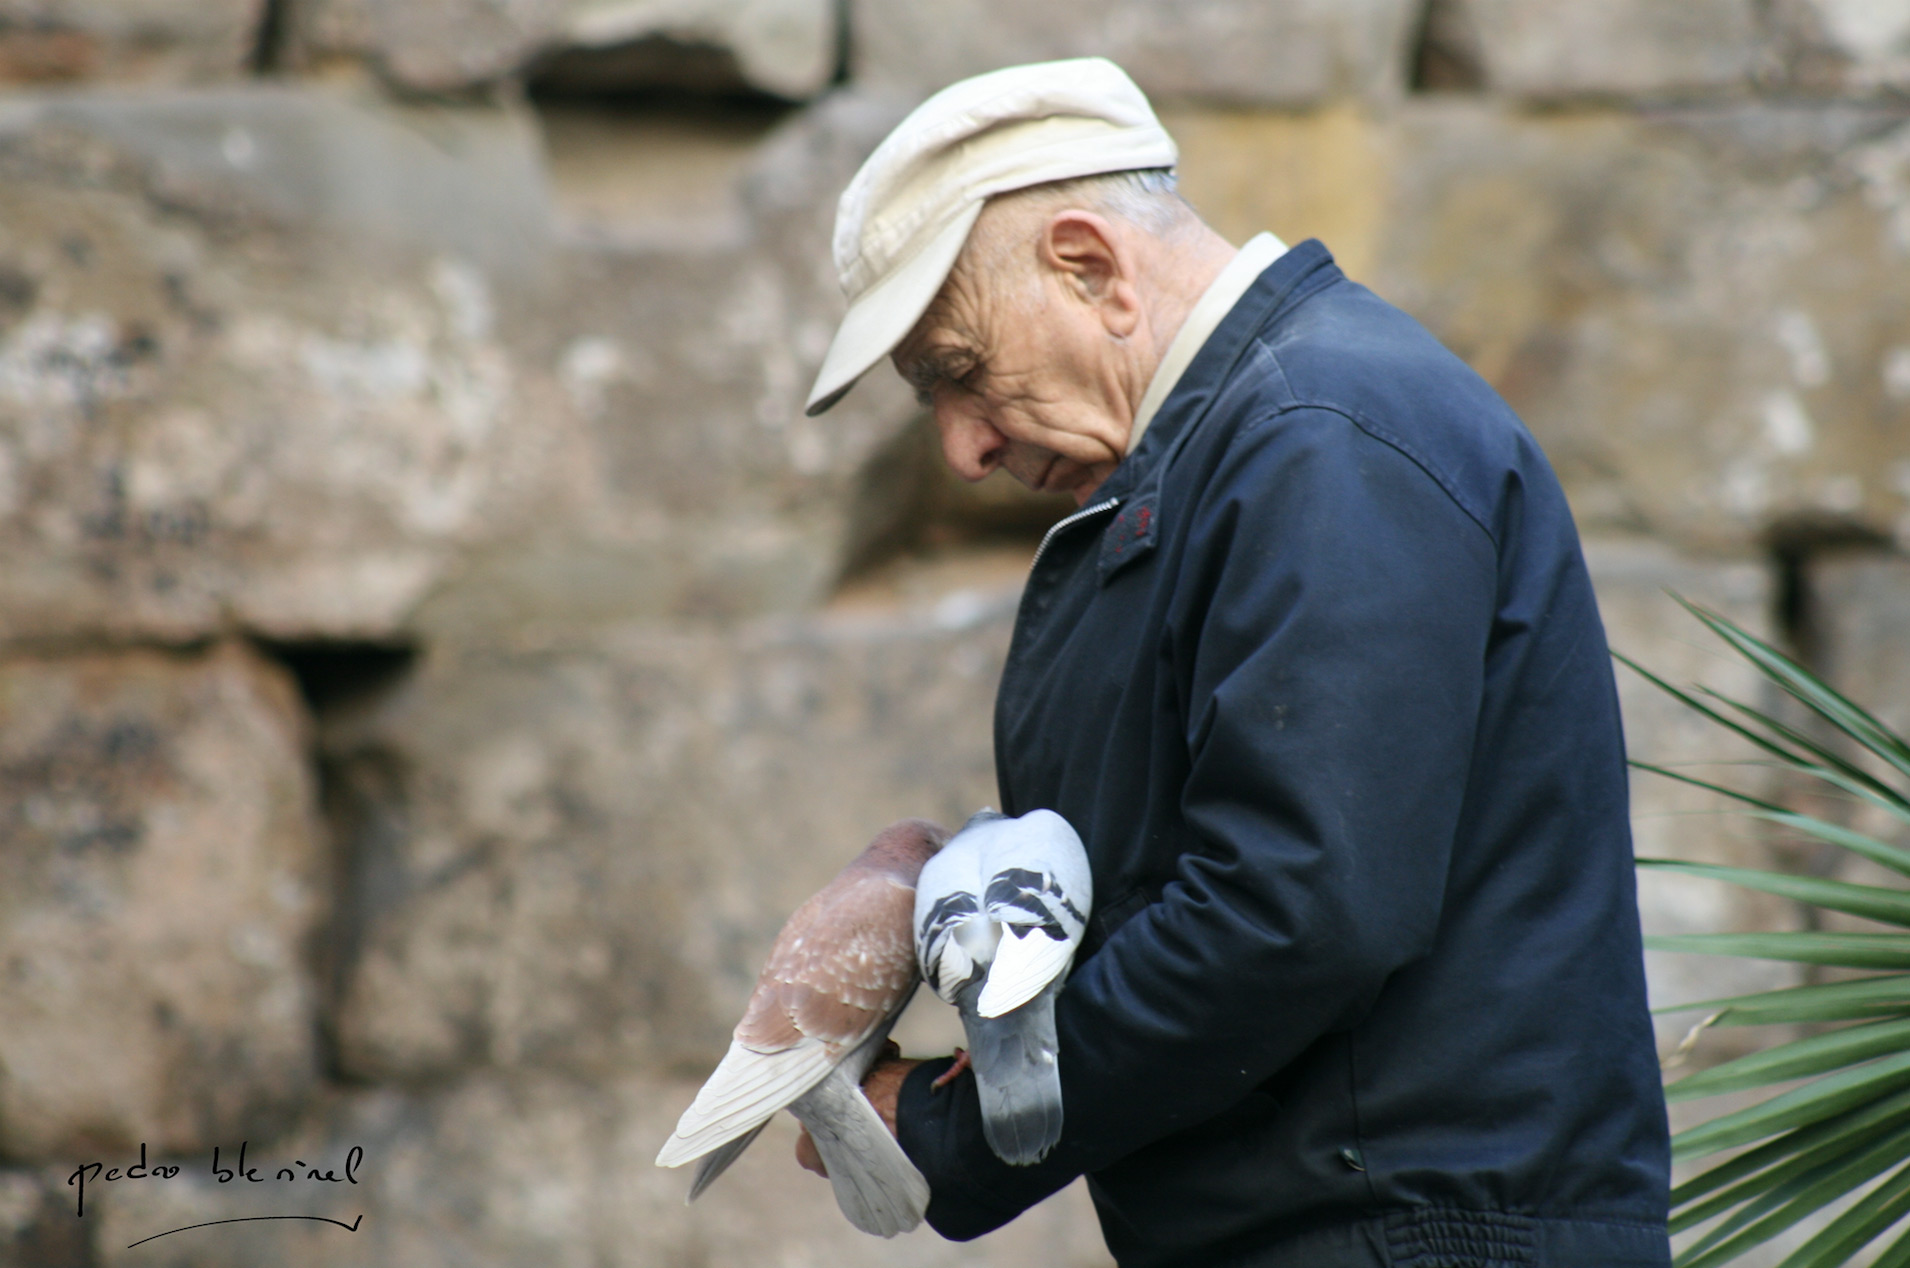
[(841, 972), (999, 914)]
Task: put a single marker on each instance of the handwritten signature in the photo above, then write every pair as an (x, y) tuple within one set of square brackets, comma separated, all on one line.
[(97, 1173)]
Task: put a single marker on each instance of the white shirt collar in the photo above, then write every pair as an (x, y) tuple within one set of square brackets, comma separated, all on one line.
[(1205, 317)]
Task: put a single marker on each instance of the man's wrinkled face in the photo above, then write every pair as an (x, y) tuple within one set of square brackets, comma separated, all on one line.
[(1019, 369)]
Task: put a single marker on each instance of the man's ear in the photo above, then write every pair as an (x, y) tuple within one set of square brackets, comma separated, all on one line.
[(1093, 261)]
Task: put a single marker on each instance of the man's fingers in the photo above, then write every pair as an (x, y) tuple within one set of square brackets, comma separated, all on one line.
[(808, 1155)]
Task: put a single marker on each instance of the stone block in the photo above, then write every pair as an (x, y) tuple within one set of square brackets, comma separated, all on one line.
[(1845, 46), (427, 46), (1311, 174), (1564, 48), (492, 426), (188, 275), (699, 489), (1635, 581), (160, 881), (127, 41), (497, 1173), (659, 176), (1702, 314), (576, 856), (1226, 51), (1699, 312), (783, 47), (466, 182)]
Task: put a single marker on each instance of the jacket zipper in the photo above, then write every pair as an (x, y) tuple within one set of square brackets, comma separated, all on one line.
[(1060, 524)]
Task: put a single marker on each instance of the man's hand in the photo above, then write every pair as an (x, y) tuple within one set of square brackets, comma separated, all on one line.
[(882, 1085)]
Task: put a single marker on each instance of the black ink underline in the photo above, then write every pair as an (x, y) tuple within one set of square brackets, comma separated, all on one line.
[(245, 1219)]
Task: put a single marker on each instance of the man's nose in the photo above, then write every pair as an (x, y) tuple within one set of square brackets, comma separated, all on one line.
[(970, 444)]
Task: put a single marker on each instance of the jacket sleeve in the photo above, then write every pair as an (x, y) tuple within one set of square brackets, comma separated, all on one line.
[(1327, 639)]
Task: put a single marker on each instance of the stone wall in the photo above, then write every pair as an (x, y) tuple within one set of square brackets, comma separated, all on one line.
[(435, 651)]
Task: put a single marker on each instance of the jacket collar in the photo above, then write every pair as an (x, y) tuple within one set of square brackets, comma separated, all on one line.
[(1284, 284)]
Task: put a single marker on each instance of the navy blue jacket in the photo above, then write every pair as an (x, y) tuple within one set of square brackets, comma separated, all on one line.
[(1320, 680)]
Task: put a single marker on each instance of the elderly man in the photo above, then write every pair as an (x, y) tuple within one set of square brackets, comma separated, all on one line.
[(1317, 673)]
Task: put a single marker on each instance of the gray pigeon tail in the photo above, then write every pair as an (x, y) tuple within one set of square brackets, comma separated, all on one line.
[(1017, 1075), (876, 1185)]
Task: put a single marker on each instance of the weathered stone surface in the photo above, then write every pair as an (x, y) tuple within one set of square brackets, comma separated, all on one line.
[(1848, 46), (160, 876), (213, 408), (700, 489), (428, 45), (498, 1173), (1677, 821), (785, 47), (127, 41), (576, 857), (1231, 51), (1700, 313), (466, 182), (655, 177), (490, 428), (1316, 174), (1562, 48)]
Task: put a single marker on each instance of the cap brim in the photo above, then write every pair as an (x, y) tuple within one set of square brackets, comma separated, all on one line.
[(882, 316)]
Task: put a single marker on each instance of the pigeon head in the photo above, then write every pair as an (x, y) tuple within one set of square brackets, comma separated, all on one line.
[(902, 848)]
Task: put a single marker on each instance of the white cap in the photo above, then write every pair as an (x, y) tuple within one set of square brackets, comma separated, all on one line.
[(903, 219)]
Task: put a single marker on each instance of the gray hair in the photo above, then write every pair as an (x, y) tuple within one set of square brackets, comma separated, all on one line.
[(1148, 197)]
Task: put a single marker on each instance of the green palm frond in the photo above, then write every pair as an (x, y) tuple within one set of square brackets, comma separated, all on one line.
[(1845, 1129)]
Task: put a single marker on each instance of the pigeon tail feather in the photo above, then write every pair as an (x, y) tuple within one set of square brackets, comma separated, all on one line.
[(876, 1185), (745, 1091), (718, 1160), (1017, 1072), (1027, 961)]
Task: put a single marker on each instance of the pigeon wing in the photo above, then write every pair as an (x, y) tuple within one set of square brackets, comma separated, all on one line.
[(842, 966), (744, 1092), (948, 894), (1041, 890)]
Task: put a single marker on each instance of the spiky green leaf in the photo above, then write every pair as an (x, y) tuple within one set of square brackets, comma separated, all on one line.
[(1823, 1140), (1861, 998), (1816, 694), (1844, 950), (1873, 902), (1754, 1190), (1882, 1113), (1868, 1218), (1827, 759), (1795, 1200), (1798, 1059), (1896, 858), (1815, 1101)]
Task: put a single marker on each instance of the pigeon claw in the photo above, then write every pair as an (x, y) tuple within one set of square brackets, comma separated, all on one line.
[(948, 1076)]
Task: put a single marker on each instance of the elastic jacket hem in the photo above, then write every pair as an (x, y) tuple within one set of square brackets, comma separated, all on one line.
[(1449, 1237)]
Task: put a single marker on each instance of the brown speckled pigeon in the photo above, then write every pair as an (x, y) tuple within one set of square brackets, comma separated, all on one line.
[(842, 970)]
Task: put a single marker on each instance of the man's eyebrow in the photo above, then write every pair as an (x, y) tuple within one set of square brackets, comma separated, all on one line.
[(929, 367)]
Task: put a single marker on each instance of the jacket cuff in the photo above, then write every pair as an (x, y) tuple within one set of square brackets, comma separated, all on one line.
[(940, 1130)]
